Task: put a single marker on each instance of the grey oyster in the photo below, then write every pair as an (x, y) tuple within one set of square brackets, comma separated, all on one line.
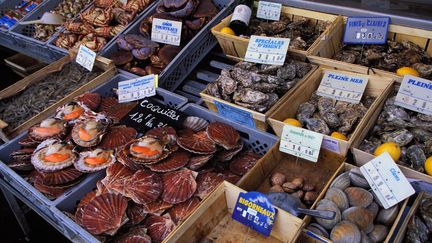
[(416, 156), (401, 137), (317, 125), (305, 111)]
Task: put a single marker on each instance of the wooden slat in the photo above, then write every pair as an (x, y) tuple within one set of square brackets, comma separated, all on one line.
[(418, 40)]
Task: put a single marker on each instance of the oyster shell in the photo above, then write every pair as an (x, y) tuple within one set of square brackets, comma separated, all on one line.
[(417, 231), (416, 156), (401, 137)]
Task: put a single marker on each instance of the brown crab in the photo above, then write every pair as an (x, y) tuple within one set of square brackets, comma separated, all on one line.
[(80, 28), (92, 42), (97, 16), (66, 40)]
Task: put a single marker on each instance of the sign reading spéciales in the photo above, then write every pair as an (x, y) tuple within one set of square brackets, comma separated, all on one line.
[(301, 142), (343, 86), (366, 30), (86, 57), (138, 88), (269, 10), (267, 50), (415, 94), (166, 31)]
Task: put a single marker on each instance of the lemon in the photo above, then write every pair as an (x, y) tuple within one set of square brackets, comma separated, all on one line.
[(407, 71), (392, 148), (292, 122), (227, 30), (339, 136), (428, 165)]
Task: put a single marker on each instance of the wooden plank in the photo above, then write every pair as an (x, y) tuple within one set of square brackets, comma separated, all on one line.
[(421, 41), (400, 234)]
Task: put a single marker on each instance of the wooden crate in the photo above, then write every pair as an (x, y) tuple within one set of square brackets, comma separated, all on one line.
[(309, 237), (259, 118), (103, 63), (236, 46), (289, 106), (361, 157), (328, 48)]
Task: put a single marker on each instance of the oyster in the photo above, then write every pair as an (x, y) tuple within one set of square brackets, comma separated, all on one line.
[(416, 156), (401, 137)]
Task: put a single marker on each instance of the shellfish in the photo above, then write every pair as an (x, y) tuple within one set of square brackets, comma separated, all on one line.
[(91, 161), (89, 132), (175, 161), (207, 182), (48, 128), (243, 162), (223, 135), (159, 227), (182, 210), (179, 186), (51, 155), (117, 137), (198, 143)]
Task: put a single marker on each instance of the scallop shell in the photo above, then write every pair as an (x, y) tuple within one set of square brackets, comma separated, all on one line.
[(96, 140), (231, 177), (116, 177), (159, 227), (387, 216), (60, 177), (82, 166), (91, 100), (120, 110), (342, 181), (44, 166), (37, 138), (83, 202), (123, 158), (379, 233), (227, 155), (207, 182), (135, 235), (243, 162), (179, 186), (117, 137), (144, 187), (157, 207), (51, 192), (358, 196), (167, 135), (357, 179), (175, 161), (27, 142), (182, 210), (337, 196), (345, 232), (135, 213), (195, 123), (318, 229), (198, 161), (326, 204), (106, 103), (21, 165), (104, 213), (144, 161), (23, 154), (198, 143), (360, 216), (223, 135)]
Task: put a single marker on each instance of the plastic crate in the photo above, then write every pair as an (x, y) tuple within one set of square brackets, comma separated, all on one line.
[(191, 55), (10, 4)]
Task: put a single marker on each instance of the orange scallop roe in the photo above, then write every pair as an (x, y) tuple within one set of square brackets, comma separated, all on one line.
[(47, 131), (145, 150), (74, 114), (95, 160), (56, 157), (84, 135)]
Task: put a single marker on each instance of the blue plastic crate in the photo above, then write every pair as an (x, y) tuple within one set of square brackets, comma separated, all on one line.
[(191, 55), (10, 5)]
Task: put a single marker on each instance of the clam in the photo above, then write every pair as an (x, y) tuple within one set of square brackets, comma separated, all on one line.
[(342, 181), (374, 208), (360, 216), (277, 179), (365, 238), (345, 232), (368, 229), (326, 204), (358, 196), (337, 196), (387, 216), (318, 229), (379, 233), (357, 178)]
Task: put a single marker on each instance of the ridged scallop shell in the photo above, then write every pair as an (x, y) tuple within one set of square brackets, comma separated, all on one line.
[(231, 177), (198, 143), (82, 166), (167, 135), (182, 210), (21, 165), (195, 123), (37, 138), (116, 177), (318, 229), (175, 161), (379, 233), (360, 216), (44, 166), (198, 161), (159, 227), (157, 207), (345, 232), (357, 178), (96, 140), (179, 186), (51, 192), (120, 110), (104, 213), (342, 181), (326, 204), (135, 213), (243, 162), (28, 142), (144, 187), (144, 161), (227, 155), (23, 154), (123, 158), (223, 135), (387, 216), (135, 235), (337, 196), (60, 177), (207, 182), (83, 202), (358, 196), (117, 137), (106, 103), (91, 100)]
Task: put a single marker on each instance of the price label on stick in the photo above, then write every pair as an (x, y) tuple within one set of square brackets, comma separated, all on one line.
[(235, 114), (341, 86), (366, 30), (269, 10), (415, 94), (138, 88), (86, 57), (386, 180), (301, 142), (267, 50), (166, 31)]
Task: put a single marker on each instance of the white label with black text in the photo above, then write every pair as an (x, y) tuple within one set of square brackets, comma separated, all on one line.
[(242, 13), (166, 31), (138, 88), (86, 57), (269, 10), (267, 50), (301, 142), (415, 94)]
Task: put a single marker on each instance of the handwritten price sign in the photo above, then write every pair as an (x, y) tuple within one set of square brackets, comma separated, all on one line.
[(166, 31), (86, 57), (301, 143), (415, 94), (267, 50), (269, 10)]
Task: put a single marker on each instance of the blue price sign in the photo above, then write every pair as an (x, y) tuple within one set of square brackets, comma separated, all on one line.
[(235, 114), (254, 210), (366, 30)]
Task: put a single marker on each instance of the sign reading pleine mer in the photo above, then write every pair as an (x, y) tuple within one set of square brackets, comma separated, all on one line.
[(301, 142), (267, 50), (366, 30), (86, 57), (415, 94), (342, 86), (138, 88), (166, 31), (386, 180), (269, 10)]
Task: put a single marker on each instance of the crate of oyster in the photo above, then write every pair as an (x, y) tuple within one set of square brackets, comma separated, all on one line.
[(305, 28), (160, 192), (69, 148), (248, 93), (136, 53), (359, 216), (406, 48), (405, 134), (99, 25), (340, 122)]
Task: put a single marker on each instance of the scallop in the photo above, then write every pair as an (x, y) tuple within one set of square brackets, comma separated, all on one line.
[(379, 233), (345, 232), (358, 196), (388, 216), (326, 204), (195, 123), (357, 178), (342, 181), (337, 196), (360, 216)]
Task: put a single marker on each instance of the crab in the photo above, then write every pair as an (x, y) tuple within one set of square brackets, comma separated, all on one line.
[(92, 42), (80, 28), (66, 40), (123, 17), (97, 16)]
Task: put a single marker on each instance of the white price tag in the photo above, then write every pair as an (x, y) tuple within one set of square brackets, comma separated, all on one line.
[(387, 180), (86, 57), (415, 94), (166, 31), (138, 88), (269, 10), (267, 50), (341, 86), (301, 142)]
